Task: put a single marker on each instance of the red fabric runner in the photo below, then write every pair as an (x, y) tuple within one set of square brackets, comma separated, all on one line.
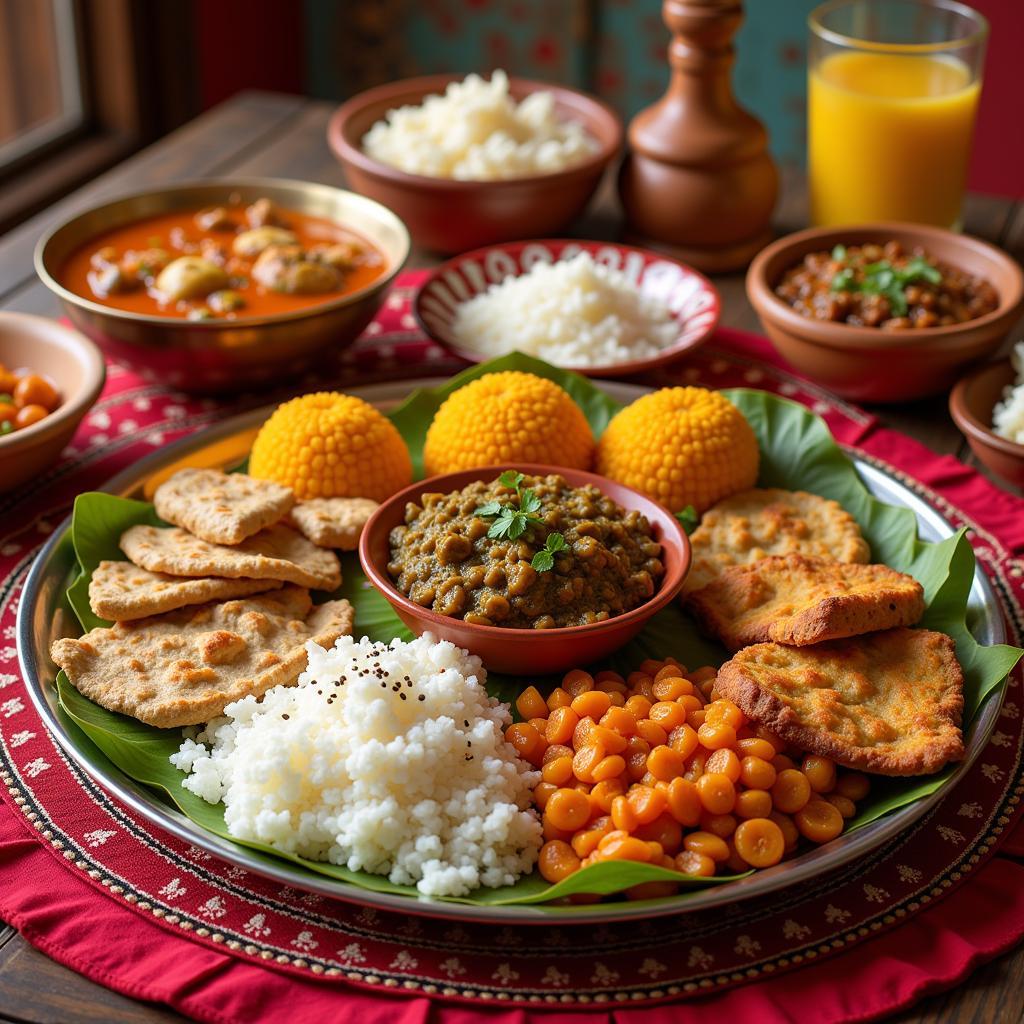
[(71, 918)]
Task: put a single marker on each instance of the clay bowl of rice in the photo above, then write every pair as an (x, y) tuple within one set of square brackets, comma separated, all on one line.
[(598, 308), (988, 407), (468, 161)]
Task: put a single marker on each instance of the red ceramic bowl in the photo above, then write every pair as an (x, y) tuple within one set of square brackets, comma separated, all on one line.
[(526, 651), (690, 295), (451, 216), (971, 403)]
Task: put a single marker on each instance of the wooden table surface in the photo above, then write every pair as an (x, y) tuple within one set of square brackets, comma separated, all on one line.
[(284, 136)]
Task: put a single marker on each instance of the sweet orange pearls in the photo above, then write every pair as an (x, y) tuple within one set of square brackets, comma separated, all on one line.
[(655, 768)]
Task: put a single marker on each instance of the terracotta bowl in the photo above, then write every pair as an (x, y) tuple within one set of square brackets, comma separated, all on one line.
[(452, 216), (868, 364), (225, 355), (72, 364), (691, 296), (970, 405), (526, 651)]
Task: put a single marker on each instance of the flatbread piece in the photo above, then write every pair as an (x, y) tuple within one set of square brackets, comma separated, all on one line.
[(185, 667), (121, 591), (768, 521), (333, 522), (277, 553), (796, 600), (222, 508), (889, 702)]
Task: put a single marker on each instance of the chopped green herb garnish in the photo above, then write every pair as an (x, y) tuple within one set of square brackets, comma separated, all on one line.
[(882, 278), (7, 427), (689, 518), (545, 559), (509, 521)]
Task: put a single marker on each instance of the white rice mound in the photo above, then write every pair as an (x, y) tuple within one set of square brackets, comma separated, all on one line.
[(477, 132), (1008, 415), (341, 768), (574, 312)]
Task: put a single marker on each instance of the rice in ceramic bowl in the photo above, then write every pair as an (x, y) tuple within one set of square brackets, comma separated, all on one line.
[(386, 758)]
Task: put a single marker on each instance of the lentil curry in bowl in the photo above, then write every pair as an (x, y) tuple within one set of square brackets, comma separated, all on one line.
[(533, 568)]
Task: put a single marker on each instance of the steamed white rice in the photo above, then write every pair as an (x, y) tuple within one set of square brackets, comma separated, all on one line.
[(477, 132), (574, 312), (385, 758), (1008, 415)]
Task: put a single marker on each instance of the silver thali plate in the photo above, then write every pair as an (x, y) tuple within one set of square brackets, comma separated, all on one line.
[(43, 618)]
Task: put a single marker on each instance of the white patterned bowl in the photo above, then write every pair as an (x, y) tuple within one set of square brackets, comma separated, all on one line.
[(693, 299)]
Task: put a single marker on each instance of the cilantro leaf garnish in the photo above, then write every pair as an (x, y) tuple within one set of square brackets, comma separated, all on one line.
[(689, 519), (882, 278), (509, 521), (545, 558)]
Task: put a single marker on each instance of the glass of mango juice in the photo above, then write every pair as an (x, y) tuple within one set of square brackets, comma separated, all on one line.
[(893, 89)]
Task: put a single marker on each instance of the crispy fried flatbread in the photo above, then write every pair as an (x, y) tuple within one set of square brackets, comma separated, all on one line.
[(887, 702), (222, 508), (120, 591), (333, 522), (796, 600), (277, 553), (760, 522), (183, 668)]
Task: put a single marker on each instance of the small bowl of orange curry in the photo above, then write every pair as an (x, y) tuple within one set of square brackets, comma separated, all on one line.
[(216, 285)]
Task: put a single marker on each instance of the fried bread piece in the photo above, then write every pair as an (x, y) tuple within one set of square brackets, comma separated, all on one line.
[(120, 591), (889, 702), (767, 521), (222, 508), (277, 553), (797, 600), (183, 668), (333, 522)]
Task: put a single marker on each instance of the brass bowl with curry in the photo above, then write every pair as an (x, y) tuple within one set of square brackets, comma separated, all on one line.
[(216, 285)]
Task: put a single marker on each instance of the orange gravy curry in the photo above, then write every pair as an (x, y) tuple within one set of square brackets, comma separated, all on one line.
[(223, 263)]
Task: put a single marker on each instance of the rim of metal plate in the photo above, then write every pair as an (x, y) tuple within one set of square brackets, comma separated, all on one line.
[(39, 622)]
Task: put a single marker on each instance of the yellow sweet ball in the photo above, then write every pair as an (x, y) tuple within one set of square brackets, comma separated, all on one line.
[(680, 446), (506, 418), (330, 445)]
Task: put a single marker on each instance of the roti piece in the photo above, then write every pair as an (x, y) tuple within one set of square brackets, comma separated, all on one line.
[(889, 703), (185, 667), (120, 591), (277, 553), (760, 522), (796, 600), (222, 508), (333, 522)]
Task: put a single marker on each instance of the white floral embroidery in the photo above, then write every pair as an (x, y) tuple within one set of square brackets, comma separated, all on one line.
[(310, 899), (196, 853), (101, 420), (11, 707), (256, 925), (304, 942), (175, 412), (367, 916), (604, 975), (127, 426), (652, 968), (21, 737), (505, 974), (875, 894), (286, 892), (1000, 739), (213, 908), (7, 633), (141, 404), (8, 653), (908, 874), (794, 930), (99, 439), (174, 889), (234, 872), (746, 946), (155, 437), (556, 937), (36, 767), (6, 678), (508, 937), (457, 935), (971, 810), (10, 549), (404, 961), (553, 976), (785, 388), (453, 967), (698, 958), (992, 772), (98, 836), (951, 835), (834, 914), (1010, 710), (352, 954)]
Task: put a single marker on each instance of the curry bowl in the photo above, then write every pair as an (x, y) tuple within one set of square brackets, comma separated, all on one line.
[(872, 364), (970, 404), (225, 353), (526, 651), (72, 365), (692, 299), (450, 215)]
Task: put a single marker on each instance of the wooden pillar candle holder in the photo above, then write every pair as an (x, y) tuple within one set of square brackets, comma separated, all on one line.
[(698, 181)]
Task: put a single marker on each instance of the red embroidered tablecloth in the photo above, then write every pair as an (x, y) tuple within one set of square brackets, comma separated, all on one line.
[(99, 889)]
